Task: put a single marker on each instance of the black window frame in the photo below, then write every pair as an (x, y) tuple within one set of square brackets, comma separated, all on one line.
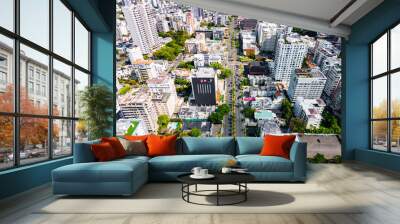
[(388, 74), (16, 115)]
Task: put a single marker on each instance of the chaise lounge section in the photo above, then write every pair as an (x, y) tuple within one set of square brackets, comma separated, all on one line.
[(125, 176)]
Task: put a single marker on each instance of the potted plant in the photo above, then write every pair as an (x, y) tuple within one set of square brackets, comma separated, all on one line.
[(96, 104)]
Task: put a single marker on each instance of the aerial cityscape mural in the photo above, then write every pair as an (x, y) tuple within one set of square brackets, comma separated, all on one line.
[(193, 72)]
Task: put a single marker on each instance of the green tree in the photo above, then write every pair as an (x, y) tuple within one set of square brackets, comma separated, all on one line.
[(186, 64), (216, 65), (297, 125), (195, 132), (225, 73), (287, 110), (163, 121), (216, 118), (248, 112), (223, 109)]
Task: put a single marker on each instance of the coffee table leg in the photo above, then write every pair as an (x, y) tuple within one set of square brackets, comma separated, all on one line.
[(195, 188), (217, 194), (245, 193)]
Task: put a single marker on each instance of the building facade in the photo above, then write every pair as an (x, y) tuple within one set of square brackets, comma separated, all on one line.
[(289, 55), (306, 84)]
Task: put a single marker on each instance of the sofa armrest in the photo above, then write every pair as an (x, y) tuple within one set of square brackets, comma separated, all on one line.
[(83, 152), (298, 155)]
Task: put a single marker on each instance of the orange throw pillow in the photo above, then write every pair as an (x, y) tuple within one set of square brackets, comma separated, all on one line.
[(161, 145), (116, 145), (103, 152), (277, 145)]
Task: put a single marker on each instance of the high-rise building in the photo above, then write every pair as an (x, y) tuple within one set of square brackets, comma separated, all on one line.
[(268, 34), (204, 87), (290, 53), (324, 50), (220, 19), (198, 13), (140, 18), (333, 77), (306, 84), (138, 104), (163, 26)]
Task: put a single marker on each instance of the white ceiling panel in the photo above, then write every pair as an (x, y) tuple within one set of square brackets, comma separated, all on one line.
[(327, 16)]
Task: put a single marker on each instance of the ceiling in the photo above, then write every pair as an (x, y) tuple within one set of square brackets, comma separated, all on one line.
[(327, 16)]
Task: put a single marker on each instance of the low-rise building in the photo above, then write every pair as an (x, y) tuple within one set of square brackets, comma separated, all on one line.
[(192, 46), (248, 43), (164, 103), (310, 111), (202, 60)]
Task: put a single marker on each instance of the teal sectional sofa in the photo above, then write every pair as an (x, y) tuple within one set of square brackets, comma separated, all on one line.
[(125, 176)]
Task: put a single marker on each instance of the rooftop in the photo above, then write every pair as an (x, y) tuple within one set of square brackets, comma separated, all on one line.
[(309, 72), (204, 72)]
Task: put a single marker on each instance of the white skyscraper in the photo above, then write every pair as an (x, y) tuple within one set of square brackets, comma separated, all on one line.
[(290, 52), (140, 18), (306, 84), (267, 35), (333, 78)]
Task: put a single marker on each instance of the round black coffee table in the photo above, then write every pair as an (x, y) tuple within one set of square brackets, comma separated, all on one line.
[(238, 179)]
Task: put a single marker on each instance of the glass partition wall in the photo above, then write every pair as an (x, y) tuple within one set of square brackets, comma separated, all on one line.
[(44, 58)]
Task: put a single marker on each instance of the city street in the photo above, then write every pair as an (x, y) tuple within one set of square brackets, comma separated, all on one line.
[(233, 122)]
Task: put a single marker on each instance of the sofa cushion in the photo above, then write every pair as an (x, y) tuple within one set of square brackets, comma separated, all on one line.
[(209, 145), (161, 145), (103, 152), (248, 145), (136, 147), (116, 145), (277, 145), (112, 171), (185, 163), (257, 163)]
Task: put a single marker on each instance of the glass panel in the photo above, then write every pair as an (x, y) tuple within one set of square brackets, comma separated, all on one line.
[(395, 94), (6, 142), (7, 14), (6, 74), (81, 82), (35, 21), (379, 55), (62, 29), (379, 135), (81, 131), (62, 89), (62, 141), (379, 98), (34, 97), (395, 47), (81, 45), (33, 139), (395, 136)]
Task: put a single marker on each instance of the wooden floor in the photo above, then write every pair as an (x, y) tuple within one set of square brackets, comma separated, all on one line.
[(377, 188)]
